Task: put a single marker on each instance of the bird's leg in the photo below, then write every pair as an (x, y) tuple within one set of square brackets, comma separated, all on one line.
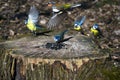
[(82, 32), (34, 33), (53, 13)]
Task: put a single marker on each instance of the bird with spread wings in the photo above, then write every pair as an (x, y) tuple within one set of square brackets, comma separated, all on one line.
[(60, 13), (32, 21)]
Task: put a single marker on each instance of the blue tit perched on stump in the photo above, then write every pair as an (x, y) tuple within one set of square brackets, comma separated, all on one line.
[(32, 20), (96, 30), (60, 37), (79, 22)]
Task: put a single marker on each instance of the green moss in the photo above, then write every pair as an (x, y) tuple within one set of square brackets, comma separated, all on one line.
[(104, 71), (112, 73)]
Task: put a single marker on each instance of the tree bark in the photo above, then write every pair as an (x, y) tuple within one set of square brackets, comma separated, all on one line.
[(18, 67)]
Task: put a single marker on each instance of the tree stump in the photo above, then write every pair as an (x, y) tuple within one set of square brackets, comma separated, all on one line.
[(28, 59)]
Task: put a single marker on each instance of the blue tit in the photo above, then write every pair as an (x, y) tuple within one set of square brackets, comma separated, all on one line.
[(95, 30), (32, 20), (79, 22), (59, 37)]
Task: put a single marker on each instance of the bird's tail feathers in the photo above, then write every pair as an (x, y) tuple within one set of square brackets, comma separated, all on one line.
[(62, 33), (82, 20)]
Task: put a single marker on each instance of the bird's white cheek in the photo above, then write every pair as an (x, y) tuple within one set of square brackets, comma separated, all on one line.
[(75, 24), (56, 10), (69, 12), (55, 39)]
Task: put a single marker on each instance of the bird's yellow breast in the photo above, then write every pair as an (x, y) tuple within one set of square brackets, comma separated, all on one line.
[(66, 6), (78, 28), (94, 31), (31, 26)]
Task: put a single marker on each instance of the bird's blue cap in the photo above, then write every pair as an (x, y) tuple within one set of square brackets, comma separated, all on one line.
[(57, 38), (95, 26)]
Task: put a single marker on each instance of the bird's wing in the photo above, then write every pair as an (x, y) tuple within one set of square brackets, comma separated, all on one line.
[(33, 14), (80, 20), (75, 5), (56, 19)]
